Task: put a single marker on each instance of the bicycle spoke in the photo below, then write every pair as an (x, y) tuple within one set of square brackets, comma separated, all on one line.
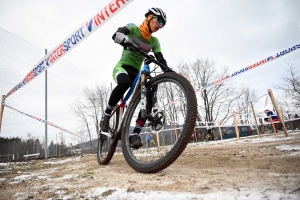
[(171, 136)]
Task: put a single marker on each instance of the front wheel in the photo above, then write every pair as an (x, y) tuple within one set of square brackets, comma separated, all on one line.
[(177, 101), (107, 145), (289, 126)]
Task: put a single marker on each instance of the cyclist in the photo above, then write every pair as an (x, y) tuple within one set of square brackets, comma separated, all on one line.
[(270, 113), (210, 133), (273, 116), (148, 139), (128, 67)]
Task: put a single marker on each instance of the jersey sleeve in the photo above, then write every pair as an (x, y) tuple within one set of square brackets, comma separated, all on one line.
[(124, 30), (131, 27), (156, 46)]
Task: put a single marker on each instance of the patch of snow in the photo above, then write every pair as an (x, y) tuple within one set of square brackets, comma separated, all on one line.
[(2, 179), (43, 178), (289, 147), (116, 193), (66, 176), (62, 161)]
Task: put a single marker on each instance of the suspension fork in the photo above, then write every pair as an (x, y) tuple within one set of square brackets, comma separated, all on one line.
[(154, 99), (145, 72), (143, 96)]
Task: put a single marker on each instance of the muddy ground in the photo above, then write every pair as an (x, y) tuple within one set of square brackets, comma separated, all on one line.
[(270, 163)]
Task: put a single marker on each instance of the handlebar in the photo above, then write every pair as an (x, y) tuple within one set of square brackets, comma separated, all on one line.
[(129, 45)]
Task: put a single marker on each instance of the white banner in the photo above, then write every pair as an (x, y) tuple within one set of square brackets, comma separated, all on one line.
[(73, 40)]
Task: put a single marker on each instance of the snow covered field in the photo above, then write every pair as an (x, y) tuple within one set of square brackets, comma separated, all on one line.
[(266, 167)]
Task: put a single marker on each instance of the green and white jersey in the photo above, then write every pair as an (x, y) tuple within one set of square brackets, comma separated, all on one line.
[(136, 59)]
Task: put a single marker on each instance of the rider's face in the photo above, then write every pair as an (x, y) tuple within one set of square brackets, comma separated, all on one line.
[(156, 24)]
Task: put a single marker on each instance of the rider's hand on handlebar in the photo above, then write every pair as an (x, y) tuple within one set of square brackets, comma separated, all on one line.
[(120, 37), (148, 61)]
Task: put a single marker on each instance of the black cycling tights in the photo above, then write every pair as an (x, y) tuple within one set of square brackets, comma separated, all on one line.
[(124, 82)]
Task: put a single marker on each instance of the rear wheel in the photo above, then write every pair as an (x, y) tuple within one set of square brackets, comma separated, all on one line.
[(107, 145), (177, 101), (264, 128), (289, 126)]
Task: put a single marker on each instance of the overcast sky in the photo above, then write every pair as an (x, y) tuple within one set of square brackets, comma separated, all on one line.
[(234, 33)]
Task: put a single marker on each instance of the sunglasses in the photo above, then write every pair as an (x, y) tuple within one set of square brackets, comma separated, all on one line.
[(160, 21)]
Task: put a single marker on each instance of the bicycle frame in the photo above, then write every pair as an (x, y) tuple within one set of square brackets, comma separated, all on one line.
[(145, 70)]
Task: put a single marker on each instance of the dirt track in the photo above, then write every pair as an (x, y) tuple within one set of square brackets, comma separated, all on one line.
[(245, 165)]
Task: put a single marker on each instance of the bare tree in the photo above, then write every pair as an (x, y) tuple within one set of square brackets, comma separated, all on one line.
[(167, 94), (218, 97), (82, 112), (291, 87), (96, 103), (284, 102), (91, 109), (243, 102), (103, 93), (62, 138)]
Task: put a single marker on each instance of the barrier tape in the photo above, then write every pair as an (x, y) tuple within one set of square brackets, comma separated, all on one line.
[(245, 69), (265, 123), (214, 126), (245, 106), (73, 40), (46, 122), (255, 65)]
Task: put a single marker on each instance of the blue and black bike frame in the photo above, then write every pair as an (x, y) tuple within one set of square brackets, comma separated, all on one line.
[(141, 75)]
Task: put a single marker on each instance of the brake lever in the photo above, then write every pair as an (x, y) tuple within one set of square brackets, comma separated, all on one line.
[(149, 59)]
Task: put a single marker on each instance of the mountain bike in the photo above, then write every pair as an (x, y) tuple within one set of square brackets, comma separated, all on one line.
[(160, 98)]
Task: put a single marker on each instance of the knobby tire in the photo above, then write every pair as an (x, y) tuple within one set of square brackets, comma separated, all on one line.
[(104, 155), (182, 141)]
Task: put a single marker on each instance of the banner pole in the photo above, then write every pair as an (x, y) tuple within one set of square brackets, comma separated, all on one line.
[(220, 131), (2, 110), (236, 125), (281, 120), (46, 111), (253, 112)]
